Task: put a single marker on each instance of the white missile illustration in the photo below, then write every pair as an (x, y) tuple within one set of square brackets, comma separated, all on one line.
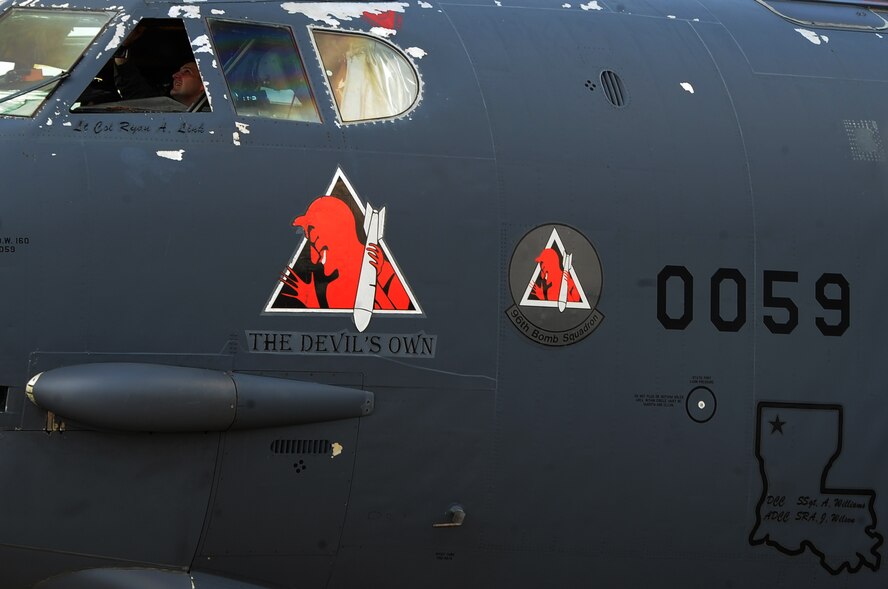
[(562, 294), (374, 224)]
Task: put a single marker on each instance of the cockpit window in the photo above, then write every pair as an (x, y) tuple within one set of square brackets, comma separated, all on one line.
[(37, 50), (369, 78), (153, 70), (264, 71)]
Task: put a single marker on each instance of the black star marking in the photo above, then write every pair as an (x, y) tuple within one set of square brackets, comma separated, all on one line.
[(777, 425)]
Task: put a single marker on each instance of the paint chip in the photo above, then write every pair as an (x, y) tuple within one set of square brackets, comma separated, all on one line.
[(382, 32), (424, 4), (235, 138), (687, 87), (119, 31), (593, 5), (48, 122), (175, 155), (812, 36), (331, 13), (184, 12), (415, 52), (337, 449), (565, 5), (243, 128), (672, 16), (216, 11), (202, 45)]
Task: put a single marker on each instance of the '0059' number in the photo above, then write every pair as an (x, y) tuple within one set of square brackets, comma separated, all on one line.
[(774, 290)]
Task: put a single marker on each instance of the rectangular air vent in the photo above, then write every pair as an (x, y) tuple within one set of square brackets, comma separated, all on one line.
[(300, 447)]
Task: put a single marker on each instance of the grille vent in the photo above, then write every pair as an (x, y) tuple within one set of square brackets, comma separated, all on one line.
[(613, 88), (300, 446)]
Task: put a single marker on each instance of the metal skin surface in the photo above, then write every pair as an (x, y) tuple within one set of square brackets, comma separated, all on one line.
[(713, 417)]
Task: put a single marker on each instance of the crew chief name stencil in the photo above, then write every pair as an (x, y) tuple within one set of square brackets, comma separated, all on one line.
[(555, 279), (803, 504), (342, 264)]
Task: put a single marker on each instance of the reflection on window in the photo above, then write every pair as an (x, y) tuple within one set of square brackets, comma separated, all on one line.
[(368, 77), (264, 71), (37, 48)]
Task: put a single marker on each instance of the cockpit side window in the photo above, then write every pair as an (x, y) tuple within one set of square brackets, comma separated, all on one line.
[(264, 71), (37, 50), (153, 70), (369, 78)]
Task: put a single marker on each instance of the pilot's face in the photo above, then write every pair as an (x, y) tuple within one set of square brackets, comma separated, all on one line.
[(187, 85)]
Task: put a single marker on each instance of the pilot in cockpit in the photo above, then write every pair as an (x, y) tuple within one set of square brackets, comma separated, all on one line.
[(278, 88), (187, 86), (21, 54), (146, 82), (273, 80)]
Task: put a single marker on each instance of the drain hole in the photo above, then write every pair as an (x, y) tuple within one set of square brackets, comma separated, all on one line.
[(613, 88)]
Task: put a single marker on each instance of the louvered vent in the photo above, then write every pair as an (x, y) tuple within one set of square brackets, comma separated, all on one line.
[(300, 446), (613, 88)]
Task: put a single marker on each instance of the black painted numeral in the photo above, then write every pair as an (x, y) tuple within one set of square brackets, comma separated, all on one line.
[(831, 290), (715, 285), (687, 280), (842, 304), (775, 302)]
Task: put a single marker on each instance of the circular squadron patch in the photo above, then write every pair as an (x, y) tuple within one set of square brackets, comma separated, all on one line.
[(555, 280)]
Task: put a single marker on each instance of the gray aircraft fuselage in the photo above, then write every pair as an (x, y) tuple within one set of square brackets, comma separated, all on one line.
[(698, 400)]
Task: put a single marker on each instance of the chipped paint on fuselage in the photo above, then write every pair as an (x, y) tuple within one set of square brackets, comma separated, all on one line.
[(333, 12)]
